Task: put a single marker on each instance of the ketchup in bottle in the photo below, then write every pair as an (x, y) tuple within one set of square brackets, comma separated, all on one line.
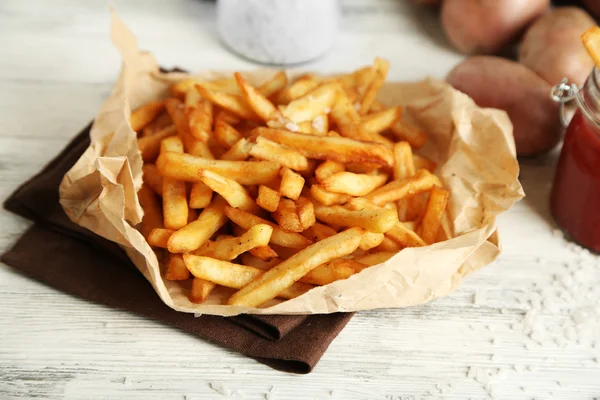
[(575, 199)]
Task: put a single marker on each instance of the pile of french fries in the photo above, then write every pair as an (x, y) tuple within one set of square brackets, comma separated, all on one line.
[(273, 189)]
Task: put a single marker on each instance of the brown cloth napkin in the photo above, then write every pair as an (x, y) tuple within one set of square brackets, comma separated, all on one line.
[(70, 258)]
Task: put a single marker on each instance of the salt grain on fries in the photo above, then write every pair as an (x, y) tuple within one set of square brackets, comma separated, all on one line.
[(271, 189)]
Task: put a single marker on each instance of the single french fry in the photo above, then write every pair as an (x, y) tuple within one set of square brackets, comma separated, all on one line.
[(408, 132), (371, 259), (172, 144), (227, 117), (152, 178), (416, 206), (436, 206), (371, 240), (404, 236), (291, 184), (265, 253), (144, 115), (380, 69), (412, 225), (312, 103), (421, 182), (225, 135), (150, 203), (267, 198), (259, 103), (251, 260), (185, 167), (424, 163), (286, 239), (297, 89), (201, 289), (318, 232), (193, 235), (235, 276), (378, 221), (231, 247), (234, 193), (274, 85), (197, 148), (240, 151), (347, 119), (334, 270), (159, 237), (150, 145), (158, 124), (176, 110), (405, 165), (306, 213), (320, 125), (327, 169), (327, 198), (235, 104), (353, 184), (287, 217), (176, 269), (268, 285), (388, 245), (200, 120), (227, 85), (339, 149), (267, 150), (191, 100), (200, 195)]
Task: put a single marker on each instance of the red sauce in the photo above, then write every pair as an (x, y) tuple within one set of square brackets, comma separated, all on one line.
[(575, 200)]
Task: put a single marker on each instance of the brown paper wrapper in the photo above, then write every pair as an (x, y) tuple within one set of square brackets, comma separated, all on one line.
[(474, 148)]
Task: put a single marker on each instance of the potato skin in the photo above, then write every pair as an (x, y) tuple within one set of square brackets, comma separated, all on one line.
[(592, 6), (552, 46), (499, 83), (487, 26)]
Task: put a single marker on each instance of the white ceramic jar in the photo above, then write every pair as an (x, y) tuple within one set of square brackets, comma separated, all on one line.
[(278, 32)]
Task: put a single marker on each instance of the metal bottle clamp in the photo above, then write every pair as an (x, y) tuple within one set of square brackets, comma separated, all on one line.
[(562, 94)]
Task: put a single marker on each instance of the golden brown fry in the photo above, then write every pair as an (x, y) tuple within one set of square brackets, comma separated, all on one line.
[(405, 166), (159, 237), (376, 107), (306, 213), (150, 145), (200, 195), (378, 220), (297, 89), (259, 103), (291, 184), (176, 110), (172, 144), (591, 41), (423, 181), (200, 120), (201, 289), (231, 247), (327, 198), (227, 85), (150, 203), (239, 151), (327, 169), (371, 240), (279, 236), (424, 163), (318, 232), (371, 259), (191, 100), (233, 103), (282, 276), (305, 127), (410, 133), (404, 236), (287, 217), (334, 270), (380, 69), (265, 253), (175, 207), (185, 167), (176, 269), (265, 149), (312, 104), (193, 235), (267, 198), (226, 135), (146, 114), (234, 193), (347, 119), (161, 122), (274, 85), (436, 206), (235, 275), (339, 149), (152, 178), (251, 260), (227, 117), (388, 246), (353, 184)]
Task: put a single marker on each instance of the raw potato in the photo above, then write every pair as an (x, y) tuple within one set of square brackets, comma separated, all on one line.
[(487, 26), (507, 85), (552, 46), (593, 6)]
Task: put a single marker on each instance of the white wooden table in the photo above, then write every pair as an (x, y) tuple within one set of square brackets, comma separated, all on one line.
[(56, 67)]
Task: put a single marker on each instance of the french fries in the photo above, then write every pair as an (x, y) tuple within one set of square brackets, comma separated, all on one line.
[(591, 42), (304, 184)]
